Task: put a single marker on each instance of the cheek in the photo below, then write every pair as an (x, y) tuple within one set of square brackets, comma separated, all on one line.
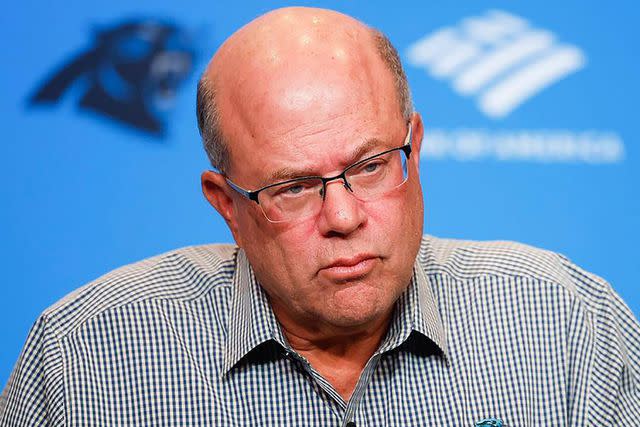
[(280, 253), (396, 224), (392, 214)]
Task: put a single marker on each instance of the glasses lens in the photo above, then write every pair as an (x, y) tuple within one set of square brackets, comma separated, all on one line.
[(292, 200), (378, 175)]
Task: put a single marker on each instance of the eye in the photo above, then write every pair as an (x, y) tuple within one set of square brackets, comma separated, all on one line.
[(293, 189), (371, 167), (296, 189)]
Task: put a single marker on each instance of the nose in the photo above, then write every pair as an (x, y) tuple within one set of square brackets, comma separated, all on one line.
[(341, 213)]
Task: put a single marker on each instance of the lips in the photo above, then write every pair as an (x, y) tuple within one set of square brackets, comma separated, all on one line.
[(344, 269)]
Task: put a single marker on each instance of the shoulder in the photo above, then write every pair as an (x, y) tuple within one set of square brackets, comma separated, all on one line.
[(536, 302), (467, 260), (184, 274)]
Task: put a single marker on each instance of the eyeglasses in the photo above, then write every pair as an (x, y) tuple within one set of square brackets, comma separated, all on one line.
[(302, 197)]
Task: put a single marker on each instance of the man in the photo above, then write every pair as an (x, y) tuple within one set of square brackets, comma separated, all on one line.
[(333, 309)]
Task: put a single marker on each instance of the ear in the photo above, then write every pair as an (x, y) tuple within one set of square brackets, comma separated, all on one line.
[(220, 196), (416, 138)]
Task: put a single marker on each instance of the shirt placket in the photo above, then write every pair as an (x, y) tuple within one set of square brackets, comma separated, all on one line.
[(345, 412)]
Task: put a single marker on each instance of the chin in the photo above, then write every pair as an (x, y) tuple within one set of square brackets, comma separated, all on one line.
[(354, 321), (359, 307)]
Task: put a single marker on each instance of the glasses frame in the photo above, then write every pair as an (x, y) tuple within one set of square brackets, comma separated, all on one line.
[(253, 194)]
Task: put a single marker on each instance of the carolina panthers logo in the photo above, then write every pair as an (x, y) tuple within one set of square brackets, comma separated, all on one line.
[(130, 75)]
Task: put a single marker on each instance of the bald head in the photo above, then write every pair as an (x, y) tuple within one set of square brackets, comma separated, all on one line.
[(285, 62)]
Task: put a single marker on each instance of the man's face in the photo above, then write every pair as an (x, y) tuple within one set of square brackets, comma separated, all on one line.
[(345, 267)]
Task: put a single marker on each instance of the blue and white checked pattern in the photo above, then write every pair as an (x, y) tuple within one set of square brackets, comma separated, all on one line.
[(484, 330)]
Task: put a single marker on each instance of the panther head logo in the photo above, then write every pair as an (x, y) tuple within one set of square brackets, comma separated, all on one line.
[(130, 75)]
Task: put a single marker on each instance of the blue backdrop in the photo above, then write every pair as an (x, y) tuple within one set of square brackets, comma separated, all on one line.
[(531, 113)]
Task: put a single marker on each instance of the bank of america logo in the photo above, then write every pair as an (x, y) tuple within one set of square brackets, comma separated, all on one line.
[(498, 58)]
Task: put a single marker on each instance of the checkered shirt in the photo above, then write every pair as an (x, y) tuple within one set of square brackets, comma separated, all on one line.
[(492, 330)]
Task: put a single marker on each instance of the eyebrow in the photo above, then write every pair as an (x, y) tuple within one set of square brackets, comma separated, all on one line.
[(358, 153)]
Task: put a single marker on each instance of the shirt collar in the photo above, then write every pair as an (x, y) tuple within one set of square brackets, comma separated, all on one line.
[(251, 321), (416, 311)]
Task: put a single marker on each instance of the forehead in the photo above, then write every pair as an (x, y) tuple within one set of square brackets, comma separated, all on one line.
[(311, 121), (303, 95), (344, 158), (317, 136), (323, 153)]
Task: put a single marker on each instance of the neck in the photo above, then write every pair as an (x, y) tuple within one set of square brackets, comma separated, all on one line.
[(339, 355), (333, 341)]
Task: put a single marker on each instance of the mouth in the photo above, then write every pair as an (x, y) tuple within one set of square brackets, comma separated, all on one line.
[(347, 269)]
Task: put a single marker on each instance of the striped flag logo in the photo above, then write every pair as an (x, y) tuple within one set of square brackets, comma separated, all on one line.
[(497, 58)]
